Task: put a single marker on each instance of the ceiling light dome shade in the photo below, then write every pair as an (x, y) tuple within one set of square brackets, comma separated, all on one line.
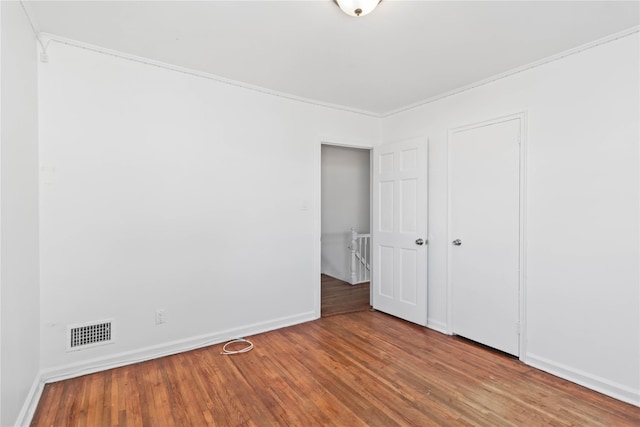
[(357, 7)]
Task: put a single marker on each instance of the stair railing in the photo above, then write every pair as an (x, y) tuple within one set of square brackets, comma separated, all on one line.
[(360, 270)]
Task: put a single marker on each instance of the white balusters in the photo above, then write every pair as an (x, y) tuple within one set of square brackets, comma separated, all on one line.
[(354, 258), (360, 267)]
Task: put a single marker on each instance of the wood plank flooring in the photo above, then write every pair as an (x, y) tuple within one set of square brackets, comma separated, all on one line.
[(340, 297), (359, 369)]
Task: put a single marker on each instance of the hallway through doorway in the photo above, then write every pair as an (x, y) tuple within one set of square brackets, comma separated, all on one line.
[(340, 297)]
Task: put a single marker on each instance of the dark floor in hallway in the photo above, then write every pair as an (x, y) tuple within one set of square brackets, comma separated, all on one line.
[(340, 297)]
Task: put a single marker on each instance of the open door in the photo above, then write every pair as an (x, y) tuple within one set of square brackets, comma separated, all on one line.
[(399, 230)]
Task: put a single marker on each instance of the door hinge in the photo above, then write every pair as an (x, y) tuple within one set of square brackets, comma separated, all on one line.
[(518, 328)]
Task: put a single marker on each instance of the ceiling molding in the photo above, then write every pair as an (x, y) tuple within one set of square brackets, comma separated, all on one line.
[(122, 55), (343, 93), (26, 8), (196, 73), (558, 56)]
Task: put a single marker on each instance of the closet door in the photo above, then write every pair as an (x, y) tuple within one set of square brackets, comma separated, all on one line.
[(484, 233)]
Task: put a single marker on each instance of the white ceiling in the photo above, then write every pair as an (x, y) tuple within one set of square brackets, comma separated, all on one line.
[(400, 54)]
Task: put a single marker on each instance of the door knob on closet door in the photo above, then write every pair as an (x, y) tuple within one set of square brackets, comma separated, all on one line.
[(419, 242), (457, 242)]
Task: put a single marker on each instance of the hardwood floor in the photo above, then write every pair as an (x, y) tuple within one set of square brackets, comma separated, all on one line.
[(365, 368), (339, 297)]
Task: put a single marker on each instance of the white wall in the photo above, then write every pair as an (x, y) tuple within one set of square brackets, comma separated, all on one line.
[(582, 287), (19, 299), (165, 190), (345, 204)]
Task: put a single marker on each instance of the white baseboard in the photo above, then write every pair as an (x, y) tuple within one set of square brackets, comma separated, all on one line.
[(30, 403), (437, 326), (593, 382), (338, 276), (617, 391), (85, 367), (153, 352)]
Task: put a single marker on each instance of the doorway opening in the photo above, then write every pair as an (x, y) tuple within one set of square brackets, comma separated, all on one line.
[(345, 248)]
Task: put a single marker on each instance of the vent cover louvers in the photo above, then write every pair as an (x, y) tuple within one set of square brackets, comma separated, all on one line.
[(88, 335)]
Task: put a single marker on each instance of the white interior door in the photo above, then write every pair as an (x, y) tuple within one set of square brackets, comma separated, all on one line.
[(484, 233), (399, 230)]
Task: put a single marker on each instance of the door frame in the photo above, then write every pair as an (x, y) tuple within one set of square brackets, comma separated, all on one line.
[(317, 212), (522, 116)]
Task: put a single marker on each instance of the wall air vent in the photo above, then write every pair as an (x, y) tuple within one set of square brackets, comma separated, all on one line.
[(87, 335)]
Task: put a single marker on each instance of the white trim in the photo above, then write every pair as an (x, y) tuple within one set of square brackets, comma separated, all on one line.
[(129, 57), (585, 379), (522, 117), (436, 325), (338, 142), (317, 214), (148, 353), (522, 291), (179, 346), (447, 241), (1, 203), (31, 402), (317, 230), (26, 7), (535, 64)]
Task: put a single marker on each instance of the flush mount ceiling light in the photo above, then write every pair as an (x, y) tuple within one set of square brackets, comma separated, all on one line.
[(357, 7)]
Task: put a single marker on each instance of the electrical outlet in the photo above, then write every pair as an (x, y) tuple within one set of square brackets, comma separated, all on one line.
[(160, 316)]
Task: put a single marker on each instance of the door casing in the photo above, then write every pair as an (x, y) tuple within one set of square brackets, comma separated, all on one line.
[(317, 212)]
